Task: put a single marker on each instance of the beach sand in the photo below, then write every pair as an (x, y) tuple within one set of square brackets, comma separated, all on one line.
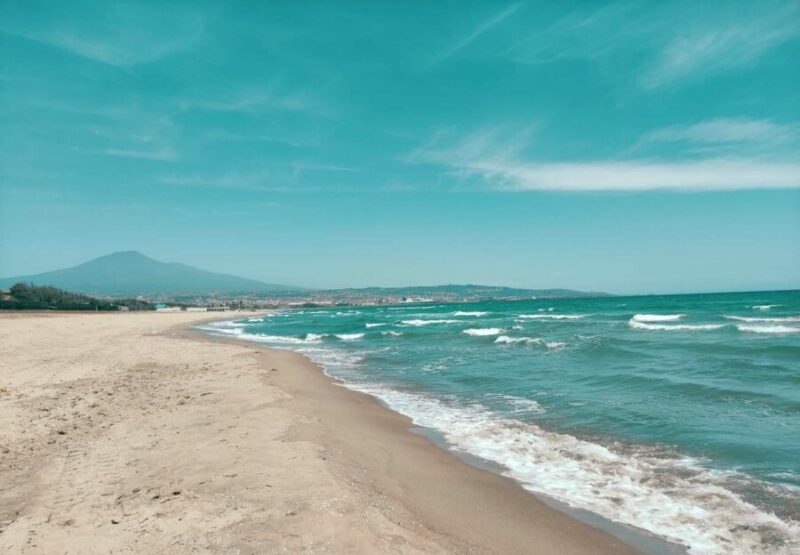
[(127, 433)]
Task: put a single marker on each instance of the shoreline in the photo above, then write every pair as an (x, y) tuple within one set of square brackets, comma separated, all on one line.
[(632, 538), (133, 433)]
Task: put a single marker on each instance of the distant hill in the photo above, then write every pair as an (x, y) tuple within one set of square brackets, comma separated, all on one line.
[(132, 273), (33, 297)]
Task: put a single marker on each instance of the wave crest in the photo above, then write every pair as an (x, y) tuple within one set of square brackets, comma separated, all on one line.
[(672, 496), (767, 328), (484, 331), (552, 316), (418, 323), (757, 319), (657, 317), (505, 339), (350, 336), (672, 327)]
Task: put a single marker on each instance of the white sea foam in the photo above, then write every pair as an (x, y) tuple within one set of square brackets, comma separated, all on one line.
[(765, 306), (342, 362), (672, 327), (552, 316), (505, 339), (484, 331), (658, 317), (413, 307), (239, 333), (373, 325), (255, 319), (350, 336), (672, 497), (474, 313), (428, 322), (767, 328), (224, 325), (221, 330), (555, 345), (518, 405), (552, 345), (438, 365), (392, 332), (758, 319)]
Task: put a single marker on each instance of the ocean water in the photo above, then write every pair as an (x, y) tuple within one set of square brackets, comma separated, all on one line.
[(679, 415)]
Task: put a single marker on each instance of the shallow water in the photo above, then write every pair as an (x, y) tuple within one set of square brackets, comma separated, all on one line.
[(676, 414)]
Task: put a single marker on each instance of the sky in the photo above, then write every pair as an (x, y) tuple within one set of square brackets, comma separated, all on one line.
[(626, 147)]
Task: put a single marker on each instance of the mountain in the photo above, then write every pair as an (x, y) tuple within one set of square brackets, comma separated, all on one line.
[(132, 273)]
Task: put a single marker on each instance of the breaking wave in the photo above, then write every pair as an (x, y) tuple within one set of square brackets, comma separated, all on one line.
[(767, 328), (757, 319), (427, 322), (666, 494), (484, 331), (552, 316), (657, 317), (672, 327)]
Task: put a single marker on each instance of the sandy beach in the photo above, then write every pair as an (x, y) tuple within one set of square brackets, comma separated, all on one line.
[(129, 433)]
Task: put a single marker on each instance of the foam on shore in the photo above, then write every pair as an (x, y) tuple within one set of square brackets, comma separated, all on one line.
[(672, 496)]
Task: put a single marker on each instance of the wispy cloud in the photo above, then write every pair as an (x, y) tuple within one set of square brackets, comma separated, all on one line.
[(255, 181), (119, 34), (480, 30), (726, 130), (663, 44), (254, 101), (501, 166), (705, 175), (164, 155), (300, 167), (111, 51), (134, 133), (723, 46), (280, 177), (252, 181), (729, 137)]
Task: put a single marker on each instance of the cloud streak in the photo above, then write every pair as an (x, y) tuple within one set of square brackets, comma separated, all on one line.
[(725, 130), (256, 101), (502, 167), (483, 28), (705, 175), (117, 34), (664, 44), (256, 181), (163, 155), (723, 47)]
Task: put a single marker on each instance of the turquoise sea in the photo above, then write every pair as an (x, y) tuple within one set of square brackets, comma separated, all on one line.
[(679, 415)]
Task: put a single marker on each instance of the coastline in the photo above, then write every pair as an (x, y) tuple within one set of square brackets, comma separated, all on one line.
[(631, 538), (132, 432)]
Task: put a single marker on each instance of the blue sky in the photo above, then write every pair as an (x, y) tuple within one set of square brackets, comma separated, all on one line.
[(629, 147)]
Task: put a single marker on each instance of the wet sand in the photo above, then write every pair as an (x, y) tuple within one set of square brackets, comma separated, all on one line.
[(129, 433)]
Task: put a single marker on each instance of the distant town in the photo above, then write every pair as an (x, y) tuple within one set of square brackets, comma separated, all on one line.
[(23, 296), (129, 280), (372, 296)]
